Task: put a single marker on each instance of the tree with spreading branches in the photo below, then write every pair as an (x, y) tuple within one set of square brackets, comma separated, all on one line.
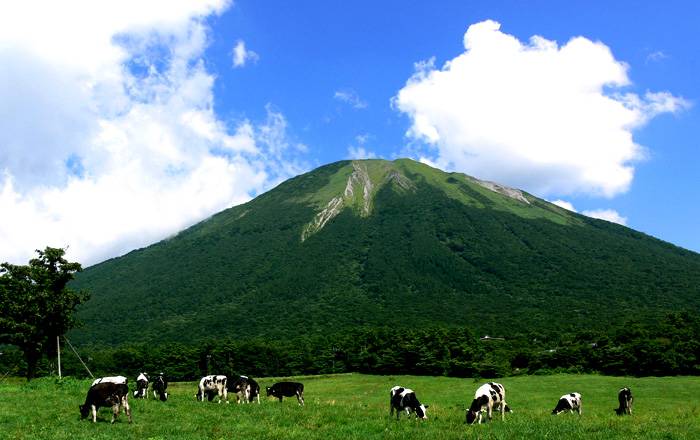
[(36, 305)]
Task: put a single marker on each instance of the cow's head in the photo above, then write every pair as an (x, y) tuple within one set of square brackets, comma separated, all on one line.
[(84, 411), (421, 413), (269, 391), (475, 409), (200, 395)]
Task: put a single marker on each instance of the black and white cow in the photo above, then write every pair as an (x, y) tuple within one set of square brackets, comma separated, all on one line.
[(241, 387), (568, 402), (624, 397), (111, 394), (287, 389), (141, 390), (111, 379), (211, 386), (160, 385), (404, 399), (487, 397), (254, 390)]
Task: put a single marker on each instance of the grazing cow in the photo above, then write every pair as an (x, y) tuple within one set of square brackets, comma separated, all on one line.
[(568, 402), (211, 386), (141, 390), (111, 379), (241, 387), (401, 399), (287, 389), (106, 394), (160, 385), (486, 397), (624, 396), (254, 390)]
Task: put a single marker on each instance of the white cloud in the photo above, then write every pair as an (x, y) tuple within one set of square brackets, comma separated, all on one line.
[(108, 136), (241, 55), (607, 214), (350, 97), (359, 151), (656, 56), (548, 118), (563, 204), (604, 214)]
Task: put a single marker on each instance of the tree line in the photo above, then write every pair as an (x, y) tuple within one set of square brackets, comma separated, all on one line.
[(668, 347)]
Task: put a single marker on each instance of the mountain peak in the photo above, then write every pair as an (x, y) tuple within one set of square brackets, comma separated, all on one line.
[(352, 242)]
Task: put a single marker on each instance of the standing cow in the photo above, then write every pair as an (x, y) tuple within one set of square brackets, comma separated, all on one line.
[(211, 386), (487, 397), (241, 387), (254, 390), (287, 389), (141, 390), (404, 399), (625, 399), (101, 394), (160, 385), (568, 402)]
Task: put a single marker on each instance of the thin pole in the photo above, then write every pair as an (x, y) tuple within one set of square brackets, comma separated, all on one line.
[(79, 358), (58, 349)]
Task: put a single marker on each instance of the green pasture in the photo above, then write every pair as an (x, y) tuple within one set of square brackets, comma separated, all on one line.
[(355, 406)]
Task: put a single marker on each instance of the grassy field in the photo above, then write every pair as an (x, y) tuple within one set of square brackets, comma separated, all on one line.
[(356, 407)]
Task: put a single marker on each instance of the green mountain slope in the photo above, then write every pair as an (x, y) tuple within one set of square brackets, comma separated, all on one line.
[(385, 243)]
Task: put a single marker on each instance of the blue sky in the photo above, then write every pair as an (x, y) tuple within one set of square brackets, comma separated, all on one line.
[(148, 112), (307, 53)]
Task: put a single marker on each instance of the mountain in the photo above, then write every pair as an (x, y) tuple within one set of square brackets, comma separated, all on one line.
[(375, 242)]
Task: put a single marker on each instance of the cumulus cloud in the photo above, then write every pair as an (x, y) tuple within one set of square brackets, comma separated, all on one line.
[(550, 118), (564, 204), (603, 214), (359, 150), (607, 214), (112, 141), (350, 97), (241, 55)]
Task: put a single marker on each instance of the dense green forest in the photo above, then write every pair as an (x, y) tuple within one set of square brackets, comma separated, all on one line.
[(668, 347), (367, 244)]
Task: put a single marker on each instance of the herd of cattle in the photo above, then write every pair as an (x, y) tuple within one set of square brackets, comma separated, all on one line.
[(114, 392), (493, 395)]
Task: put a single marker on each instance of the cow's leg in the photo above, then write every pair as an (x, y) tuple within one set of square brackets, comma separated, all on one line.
[(490, 410), (580, 408), (300, 398), (281, 397), (115, 412), (503, 410), (127, 409), (225, 391), (93, 408)]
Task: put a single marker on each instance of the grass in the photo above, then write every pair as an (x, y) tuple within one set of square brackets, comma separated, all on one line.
[(356, 407)]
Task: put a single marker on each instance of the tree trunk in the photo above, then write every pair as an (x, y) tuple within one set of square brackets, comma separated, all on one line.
[(32, 355)]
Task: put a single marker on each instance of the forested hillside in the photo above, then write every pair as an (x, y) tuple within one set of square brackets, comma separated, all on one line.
[(379, 243)]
